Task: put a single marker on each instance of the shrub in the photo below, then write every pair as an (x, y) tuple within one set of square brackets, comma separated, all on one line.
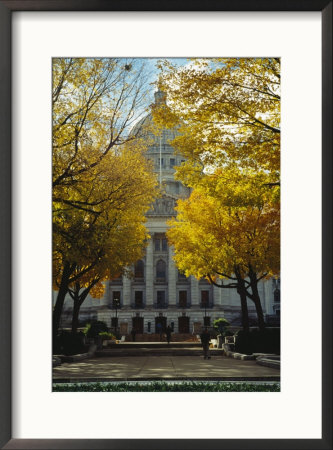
[(255, 341), (106, 336), (161, 386), (221, 325), (68, 343), (93, 329), (228, 333)]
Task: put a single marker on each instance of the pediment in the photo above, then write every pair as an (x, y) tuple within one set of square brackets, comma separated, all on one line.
[(163, 206)]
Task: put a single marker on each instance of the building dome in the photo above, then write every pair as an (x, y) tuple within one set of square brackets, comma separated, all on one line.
[(161, 153), (145, 128)]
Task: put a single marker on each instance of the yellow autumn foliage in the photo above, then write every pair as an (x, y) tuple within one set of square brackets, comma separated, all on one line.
[(228, 112), (102, 182), (213, 235)]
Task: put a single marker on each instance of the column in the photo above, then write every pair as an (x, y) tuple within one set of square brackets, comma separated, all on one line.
[(225, 295), (126, 291), (150, 273), (268, 296), (103, 313), (195, 301), (171, 278)]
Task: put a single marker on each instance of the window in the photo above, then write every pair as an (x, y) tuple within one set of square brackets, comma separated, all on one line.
[(160, 298), (138, 299), (116, 299), (139, 269), (161, 162), (161, 244), (182, 299), (161, 269), (204, 298), (172, 162)]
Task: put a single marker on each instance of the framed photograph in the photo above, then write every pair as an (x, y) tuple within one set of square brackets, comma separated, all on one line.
[(35, 33)]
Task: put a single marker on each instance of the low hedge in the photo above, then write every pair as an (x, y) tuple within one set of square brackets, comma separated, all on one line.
[(255, 341), (167, 387), (68, 343)]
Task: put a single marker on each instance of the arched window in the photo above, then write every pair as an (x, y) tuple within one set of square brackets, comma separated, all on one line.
[(139, 269), (161, 269)]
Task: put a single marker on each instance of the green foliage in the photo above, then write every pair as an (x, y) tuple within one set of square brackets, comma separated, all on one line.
[(106, 336), (68, 343), (94, 329), (255, 341), (221, 325), (161, 386)]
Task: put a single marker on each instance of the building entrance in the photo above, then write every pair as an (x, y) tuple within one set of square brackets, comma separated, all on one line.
[(162, 321), (183, 324), (137, 324)]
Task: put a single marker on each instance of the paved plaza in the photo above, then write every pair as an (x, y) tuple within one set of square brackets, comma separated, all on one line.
[(152, 367)]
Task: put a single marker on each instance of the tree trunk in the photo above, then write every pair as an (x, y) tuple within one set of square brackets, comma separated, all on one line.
[(57, 310), (75, 317), (241, 290), (78, 299), (245, 313), (256, 300)]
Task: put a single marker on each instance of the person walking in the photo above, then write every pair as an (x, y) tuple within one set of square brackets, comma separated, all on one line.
[(168, 334), (205, 338), (133, 333)]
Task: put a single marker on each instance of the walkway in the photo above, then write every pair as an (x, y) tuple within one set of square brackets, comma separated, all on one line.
[(119, 368)]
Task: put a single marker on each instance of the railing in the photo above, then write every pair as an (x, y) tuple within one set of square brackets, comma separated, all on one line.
[(184, 305), (206, 305), (137, 305), (161, 305), (112, 306), (160, 280)]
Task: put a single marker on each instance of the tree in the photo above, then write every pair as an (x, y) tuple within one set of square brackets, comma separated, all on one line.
[(221, 324), (123, 246), (227, 111), (98, 226), (95, 102), (102, 184), (218, 239)]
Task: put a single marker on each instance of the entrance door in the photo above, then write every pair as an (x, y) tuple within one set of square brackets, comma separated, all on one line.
[(184, 324), (162, 321), (137, 324)]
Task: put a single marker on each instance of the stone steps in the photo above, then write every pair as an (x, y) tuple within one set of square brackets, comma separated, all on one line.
[(137, 345), (158, 351), (155, 337)]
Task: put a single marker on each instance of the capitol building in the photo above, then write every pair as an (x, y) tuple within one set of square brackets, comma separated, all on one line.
[(158, 292)]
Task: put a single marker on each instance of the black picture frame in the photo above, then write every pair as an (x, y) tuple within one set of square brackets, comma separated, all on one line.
[(6, 9)]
